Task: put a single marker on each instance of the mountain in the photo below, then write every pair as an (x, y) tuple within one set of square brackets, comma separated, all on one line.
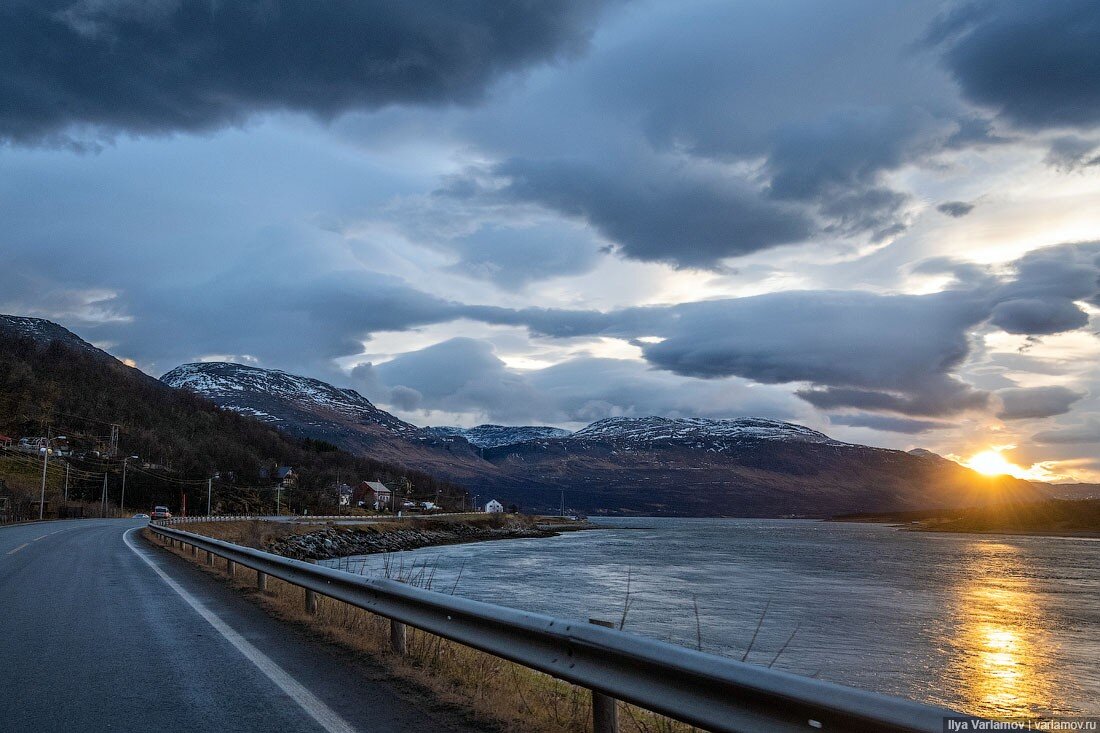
[(643, 465), (309, 408), (697, 432), (50, 379), (744, 467), (491, 436)]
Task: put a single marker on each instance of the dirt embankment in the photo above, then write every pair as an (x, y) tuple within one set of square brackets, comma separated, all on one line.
[(323, 542)]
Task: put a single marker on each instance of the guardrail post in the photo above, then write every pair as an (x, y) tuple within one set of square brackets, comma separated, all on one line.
[(209, 557), (261, 580), (605, 711), (397, 637), (230, 567), (194, 550), (311, 599)]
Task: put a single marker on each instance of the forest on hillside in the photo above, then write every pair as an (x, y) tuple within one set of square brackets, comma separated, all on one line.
[(59, 389)]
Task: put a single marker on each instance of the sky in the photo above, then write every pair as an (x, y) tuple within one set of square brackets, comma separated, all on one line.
[(881, 220)]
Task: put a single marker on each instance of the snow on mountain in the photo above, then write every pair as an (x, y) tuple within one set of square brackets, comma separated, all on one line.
[(696, 430), (265, 393), (43, 331), (491, 436)]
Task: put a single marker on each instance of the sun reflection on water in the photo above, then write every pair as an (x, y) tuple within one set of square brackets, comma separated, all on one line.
[(1000, 655)]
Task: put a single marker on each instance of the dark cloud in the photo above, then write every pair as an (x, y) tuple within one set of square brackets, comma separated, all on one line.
[(955, 209), (654, 213), (151, 67), (888, 423), (1070, 153), (1038, 316), (1036, 402), (907, 346), (1035, 62), (837, 164), (1074, 435), (1040, 299), (512, 257)]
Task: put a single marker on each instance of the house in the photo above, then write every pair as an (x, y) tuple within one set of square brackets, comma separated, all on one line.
[(344, 494), (5, 441), (494, 507), (286, 477), (375, 495)]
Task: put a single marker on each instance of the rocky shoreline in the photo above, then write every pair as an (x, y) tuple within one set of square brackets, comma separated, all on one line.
[(333, 542)]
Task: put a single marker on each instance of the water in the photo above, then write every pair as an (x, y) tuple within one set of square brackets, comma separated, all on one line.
[(991, 625)]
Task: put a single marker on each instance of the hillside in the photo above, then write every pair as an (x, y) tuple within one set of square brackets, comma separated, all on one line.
[(491, 436), (309, 408), (52, 380), (651, 465)]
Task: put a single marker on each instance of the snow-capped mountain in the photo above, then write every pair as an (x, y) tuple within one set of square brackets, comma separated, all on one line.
[(43, 331), (650, 465), (696, 431), (491, 436), (267, 393)]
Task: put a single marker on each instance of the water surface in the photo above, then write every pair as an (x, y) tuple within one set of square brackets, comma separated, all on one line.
[(992, 625)]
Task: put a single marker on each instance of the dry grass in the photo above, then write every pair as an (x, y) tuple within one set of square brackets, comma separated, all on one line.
[(500, 694)]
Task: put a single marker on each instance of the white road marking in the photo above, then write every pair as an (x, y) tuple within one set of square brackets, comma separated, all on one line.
[(17, 549), (323, 714)]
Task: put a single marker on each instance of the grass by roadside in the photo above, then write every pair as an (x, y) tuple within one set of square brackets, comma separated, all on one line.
[(499, 695)]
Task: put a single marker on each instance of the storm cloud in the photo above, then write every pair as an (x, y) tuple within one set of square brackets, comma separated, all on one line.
[(656, 213), (184, 65), (1036, 402), (1035, 63)]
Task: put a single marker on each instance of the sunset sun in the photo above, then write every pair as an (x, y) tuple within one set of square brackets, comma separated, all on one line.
[(992, 463)]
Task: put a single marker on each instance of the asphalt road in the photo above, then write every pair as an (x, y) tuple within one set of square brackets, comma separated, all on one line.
[(100, 631)]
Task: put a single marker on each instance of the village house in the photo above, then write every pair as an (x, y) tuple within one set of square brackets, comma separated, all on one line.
[(374, 495), (494, 507), (286, 477)]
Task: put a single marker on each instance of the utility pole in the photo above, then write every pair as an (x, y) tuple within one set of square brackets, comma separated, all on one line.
[(45, 465), (562, 503), (122, 499), (103, 498), (209, 490), (66, 480), (278, 500)]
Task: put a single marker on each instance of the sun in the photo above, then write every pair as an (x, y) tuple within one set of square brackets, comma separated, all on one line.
[(992, 463)]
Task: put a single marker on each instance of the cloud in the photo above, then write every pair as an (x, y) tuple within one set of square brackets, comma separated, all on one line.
[(1088, 432), (1040, 299), (888, 423), (955, 209), (1036, 402), (1070, 153), (907, 346), (1034, 63), (465, 376), (677, 214), (154, 67), (512, 257)]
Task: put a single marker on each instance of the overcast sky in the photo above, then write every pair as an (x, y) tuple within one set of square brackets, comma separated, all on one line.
[(878, 219)]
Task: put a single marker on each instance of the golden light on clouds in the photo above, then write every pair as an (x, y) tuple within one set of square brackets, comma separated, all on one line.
[(992, 462)]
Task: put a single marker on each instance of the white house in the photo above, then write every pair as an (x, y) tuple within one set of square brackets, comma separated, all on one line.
[(494, 507)]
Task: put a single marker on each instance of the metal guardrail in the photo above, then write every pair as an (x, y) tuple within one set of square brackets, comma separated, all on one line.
[(704, 690), (311, 517)]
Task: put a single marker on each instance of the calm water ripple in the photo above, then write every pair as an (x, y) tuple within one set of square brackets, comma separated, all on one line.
[(992, 625)]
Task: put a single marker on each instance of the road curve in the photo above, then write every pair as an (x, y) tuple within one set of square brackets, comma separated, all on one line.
[(101, 631)]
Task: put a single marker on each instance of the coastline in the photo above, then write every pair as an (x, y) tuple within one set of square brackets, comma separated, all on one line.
[(332, 541)]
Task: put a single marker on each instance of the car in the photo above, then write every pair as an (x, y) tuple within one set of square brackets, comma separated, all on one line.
[(141, 516), (161, 512)]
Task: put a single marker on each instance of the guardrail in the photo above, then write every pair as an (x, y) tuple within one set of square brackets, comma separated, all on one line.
[(312, 517), (704, 690)]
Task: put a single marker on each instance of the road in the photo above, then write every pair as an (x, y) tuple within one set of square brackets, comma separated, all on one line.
[(101, 631)]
